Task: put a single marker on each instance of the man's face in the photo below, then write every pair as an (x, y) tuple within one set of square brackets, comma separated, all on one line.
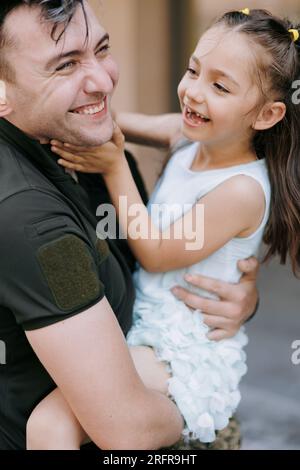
[(65, 98)]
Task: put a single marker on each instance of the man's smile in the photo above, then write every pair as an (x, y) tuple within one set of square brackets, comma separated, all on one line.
[(98, 108)]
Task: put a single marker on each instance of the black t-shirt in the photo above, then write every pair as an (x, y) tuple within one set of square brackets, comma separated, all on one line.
[(52, 266)]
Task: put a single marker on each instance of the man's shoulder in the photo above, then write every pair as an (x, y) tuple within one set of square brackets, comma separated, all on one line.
[(25, 206), (17, 174)]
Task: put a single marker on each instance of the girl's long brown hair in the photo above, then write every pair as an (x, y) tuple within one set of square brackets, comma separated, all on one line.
[(277, 70)]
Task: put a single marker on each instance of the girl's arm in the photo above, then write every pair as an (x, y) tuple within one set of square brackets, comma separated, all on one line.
[(234, 208), (154, 131)]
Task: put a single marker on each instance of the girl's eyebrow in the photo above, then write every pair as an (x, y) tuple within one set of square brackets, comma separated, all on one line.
[(219, 72)]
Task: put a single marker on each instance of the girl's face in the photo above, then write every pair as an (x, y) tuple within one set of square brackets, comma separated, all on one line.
[(217, 95)]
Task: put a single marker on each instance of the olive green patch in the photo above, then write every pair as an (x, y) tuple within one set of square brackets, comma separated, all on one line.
[(103, 249), (70, 272)]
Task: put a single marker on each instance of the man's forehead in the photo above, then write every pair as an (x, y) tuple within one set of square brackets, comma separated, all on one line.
[(32, 34)]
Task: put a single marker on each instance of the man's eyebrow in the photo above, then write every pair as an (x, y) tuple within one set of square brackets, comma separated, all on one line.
[(217, 71), (54, 60)]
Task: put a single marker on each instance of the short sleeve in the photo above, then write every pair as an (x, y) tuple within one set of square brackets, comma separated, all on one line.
[(48, 267)]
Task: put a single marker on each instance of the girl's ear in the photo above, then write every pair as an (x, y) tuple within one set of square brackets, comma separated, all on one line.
[(269, 115), (5, 109)]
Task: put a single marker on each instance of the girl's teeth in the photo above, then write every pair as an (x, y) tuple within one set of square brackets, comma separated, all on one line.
[(191, 114)]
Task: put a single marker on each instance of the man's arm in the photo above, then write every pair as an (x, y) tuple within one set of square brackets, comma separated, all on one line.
[(238, 302), (54, 281), (88, 359), (154, 131)]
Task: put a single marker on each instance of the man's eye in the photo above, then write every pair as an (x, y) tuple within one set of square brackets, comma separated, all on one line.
[(221, 88), (71, 64), (66, 66), (104, 49)]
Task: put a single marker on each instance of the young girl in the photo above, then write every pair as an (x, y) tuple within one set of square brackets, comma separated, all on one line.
[(241, 123)]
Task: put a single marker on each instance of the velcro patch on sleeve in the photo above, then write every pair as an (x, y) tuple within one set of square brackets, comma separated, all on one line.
[(70, 272), (102, 250)]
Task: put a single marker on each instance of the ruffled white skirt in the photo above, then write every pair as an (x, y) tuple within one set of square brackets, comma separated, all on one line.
[(205, 374)]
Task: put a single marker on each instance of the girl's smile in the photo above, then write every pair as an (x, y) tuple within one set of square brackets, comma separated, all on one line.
[(193, 118)]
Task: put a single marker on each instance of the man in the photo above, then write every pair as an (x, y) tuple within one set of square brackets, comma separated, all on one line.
[(65, 298)]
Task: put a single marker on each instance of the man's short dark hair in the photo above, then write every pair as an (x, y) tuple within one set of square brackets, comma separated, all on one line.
[(56, 12)]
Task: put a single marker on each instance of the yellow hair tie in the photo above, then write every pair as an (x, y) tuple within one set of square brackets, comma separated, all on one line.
[(246, 11), (295, 34)]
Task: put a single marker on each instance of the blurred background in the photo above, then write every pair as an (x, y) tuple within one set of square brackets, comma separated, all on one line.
[(152, 41)]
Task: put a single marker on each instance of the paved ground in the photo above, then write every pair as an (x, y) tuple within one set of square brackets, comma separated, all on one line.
[(270, 407)]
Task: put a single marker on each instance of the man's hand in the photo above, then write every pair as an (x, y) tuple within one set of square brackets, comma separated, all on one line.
[(236, 302)]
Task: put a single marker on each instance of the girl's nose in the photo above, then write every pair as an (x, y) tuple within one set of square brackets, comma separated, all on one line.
[(193, 93)]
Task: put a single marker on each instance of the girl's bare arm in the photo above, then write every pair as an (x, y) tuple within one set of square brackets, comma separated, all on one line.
[(154, 131), (234, 208)]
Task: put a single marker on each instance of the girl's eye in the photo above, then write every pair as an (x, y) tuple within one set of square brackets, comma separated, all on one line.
[(191, 71), (221, 88)]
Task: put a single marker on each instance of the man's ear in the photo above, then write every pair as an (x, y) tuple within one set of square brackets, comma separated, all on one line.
[(5, 109), (269, 115)]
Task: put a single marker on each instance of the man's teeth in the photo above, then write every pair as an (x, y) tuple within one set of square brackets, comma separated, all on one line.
[(91, 109)]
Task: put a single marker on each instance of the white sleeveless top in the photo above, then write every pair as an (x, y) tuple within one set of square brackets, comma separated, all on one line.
[(182, 186)]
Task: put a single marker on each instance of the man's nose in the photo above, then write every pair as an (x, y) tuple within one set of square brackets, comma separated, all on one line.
[(98, 80)]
